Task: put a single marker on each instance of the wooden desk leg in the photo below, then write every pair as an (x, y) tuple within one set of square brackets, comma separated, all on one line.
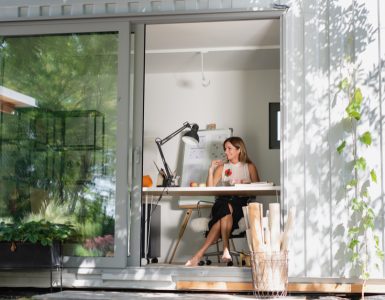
[(182, 228)]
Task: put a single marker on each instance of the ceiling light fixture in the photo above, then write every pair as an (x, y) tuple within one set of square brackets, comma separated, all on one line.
[(205, 82)]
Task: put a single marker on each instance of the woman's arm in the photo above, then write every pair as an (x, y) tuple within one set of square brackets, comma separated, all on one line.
[(253, 173), (215, 173)]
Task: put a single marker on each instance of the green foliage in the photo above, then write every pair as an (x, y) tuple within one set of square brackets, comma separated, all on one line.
[(366, 138), (341, 147), (354, 107), (360, 163), (92, 219), (90, 229), (53, 211), (81, 251), (373, 176), (74, 72), (363, 215), (66, 74), (344, 85), (42, 232), (351, 184), (379, 253)]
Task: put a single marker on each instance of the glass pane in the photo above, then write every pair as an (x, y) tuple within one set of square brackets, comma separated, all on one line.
[(58, 102)]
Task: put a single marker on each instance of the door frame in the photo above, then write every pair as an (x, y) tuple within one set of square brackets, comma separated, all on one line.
[(140, 23), (130, 149)]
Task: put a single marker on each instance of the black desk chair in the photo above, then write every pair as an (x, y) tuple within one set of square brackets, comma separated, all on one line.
[(201, 225)]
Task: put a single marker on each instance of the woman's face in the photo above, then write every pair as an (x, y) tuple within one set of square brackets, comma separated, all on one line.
[(232, 153)]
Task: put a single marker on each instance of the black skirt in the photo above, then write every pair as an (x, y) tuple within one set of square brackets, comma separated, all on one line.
[(221, 209)]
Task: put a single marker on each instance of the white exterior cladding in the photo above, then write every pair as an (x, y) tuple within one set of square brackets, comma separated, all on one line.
[(318, 35)]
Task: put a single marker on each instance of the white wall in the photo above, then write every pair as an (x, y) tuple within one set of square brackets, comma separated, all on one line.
[(321, 35), (236, 99)]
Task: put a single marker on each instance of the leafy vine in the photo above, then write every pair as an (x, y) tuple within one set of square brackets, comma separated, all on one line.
[(361, 177)]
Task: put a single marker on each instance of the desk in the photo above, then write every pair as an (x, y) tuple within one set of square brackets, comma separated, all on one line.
[(241, 190)]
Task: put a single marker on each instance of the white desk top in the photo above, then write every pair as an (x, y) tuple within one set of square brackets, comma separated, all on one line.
[(244, 190)]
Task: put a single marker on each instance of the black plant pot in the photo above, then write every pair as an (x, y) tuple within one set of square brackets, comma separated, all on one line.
[(29, 255)]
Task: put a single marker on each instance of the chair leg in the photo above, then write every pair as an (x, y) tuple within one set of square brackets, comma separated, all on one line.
[(182, 228), (234, 251)]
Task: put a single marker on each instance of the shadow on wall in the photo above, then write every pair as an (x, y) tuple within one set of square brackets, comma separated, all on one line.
[(318, 175)]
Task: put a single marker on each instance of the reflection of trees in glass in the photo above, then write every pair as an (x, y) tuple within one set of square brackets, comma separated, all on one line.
[(42, 157)]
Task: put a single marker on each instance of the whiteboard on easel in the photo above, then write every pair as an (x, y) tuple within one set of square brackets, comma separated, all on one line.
[(197, 158)]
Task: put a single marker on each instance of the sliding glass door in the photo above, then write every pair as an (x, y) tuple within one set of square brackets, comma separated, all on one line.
[(64, 105)]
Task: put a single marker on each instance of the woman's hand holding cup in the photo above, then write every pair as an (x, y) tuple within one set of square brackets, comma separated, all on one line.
[(215, 164)]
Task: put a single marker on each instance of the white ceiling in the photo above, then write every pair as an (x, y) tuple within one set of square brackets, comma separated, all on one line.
[(235, 45)]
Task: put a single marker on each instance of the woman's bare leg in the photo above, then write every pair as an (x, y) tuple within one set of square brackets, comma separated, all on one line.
[(226, 226), (212, 237)]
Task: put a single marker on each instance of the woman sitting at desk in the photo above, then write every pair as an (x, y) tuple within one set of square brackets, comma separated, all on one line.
[(227, 210)]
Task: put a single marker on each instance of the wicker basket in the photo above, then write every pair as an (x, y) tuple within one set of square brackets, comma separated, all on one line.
[(270, 273)]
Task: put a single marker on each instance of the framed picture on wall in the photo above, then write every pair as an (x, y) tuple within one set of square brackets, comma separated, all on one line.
[(274, 125)]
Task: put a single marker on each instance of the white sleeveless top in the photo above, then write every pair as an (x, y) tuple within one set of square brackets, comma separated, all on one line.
[(232, 172)]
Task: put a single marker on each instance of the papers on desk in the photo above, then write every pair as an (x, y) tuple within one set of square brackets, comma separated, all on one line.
[(255, 184)]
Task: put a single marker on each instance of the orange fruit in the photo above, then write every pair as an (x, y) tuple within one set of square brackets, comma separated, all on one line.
[(147, 181)]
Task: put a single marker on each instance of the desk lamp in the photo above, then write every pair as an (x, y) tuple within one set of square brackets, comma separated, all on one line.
[(190, 137)]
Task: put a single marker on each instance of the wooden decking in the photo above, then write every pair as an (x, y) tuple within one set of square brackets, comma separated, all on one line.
[(293, 287), (166, 277)]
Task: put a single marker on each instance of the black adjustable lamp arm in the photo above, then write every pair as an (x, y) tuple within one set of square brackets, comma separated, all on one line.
[(167, 138), (159, 142), (167, 169)]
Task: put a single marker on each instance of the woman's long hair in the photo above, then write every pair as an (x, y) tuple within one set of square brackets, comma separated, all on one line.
[(238, 143)]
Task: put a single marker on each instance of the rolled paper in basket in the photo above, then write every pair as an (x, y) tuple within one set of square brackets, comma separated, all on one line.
[(267, 240), (255, 212), (246, 216), (288, 229), (265, 224), (248, 237), (274, 224)]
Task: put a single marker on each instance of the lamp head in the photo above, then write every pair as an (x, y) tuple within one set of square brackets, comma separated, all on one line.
[(191, 137)]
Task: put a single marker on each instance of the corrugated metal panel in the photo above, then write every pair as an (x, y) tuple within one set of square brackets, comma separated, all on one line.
[(381, 19), (367, 55), (339, 47), (316, 149), (324, 34), (41, 9), (294, 151)]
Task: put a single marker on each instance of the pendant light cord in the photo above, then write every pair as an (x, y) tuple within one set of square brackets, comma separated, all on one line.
[(205, 82)]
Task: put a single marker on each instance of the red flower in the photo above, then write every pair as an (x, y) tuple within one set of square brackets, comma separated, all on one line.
[(228, 172)]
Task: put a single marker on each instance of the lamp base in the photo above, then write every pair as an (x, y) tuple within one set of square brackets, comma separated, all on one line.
[(166, 182)]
